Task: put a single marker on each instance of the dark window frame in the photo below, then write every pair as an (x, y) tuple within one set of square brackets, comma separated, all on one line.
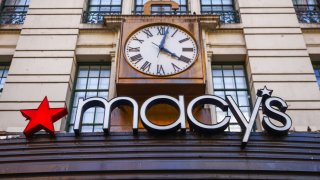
[(96, 16), (71, 117), (226, 16), (237, 90), (9, 13), (316, 68), (4, 69), (138, 8)]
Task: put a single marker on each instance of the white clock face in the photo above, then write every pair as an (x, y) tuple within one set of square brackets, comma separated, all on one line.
[(161, 50)]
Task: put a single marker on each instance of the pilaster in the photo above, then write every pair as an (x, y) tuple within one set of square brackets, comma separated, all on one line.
[(278, 57)]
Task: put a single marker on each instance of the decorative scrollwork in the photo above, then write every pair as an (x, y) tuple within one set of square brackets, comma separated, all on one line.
[(226, 17), (13, 18), (97, 17), (308, 16)]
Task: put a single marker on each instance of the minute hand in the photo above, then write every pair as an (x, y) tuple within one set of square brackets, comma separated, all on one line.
[(163, 40)]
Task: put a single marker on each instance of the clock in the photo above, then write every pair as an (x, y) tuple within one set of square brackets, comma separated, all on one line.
[(161, 50)]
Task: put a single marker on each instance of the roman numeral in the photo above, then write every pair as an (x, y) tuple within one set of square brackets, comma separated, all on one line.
[(187, 49), (136, 39), (146, 66), (174, 33), (160, 70), (131, 49), (161, 30), (184, 59), (135, 59), (147, 32), (184, 40), (176, 68)]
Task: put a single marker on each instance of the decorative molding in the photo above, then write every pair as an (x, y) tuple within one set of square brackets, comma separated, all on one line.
[(93, 30), (113, 56), (311, 30), (228, 31), (10, 31), (209, 56), (207, 22)]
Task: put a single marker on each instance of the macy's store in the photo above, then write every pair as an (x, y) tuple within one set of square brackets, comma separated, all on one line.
[(185, 95)]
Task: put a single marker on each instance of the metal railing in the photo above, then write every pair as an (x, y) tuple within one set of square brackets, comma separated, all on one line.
[(12, 17), (308, 16), (163, 12), (226, 17), (96, 17)]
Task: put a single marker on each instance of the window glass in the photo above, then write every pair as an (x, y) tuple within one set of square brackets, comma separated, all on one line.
[(231, 80), (92, 81), (13, 11), (97, 9), (224, 8), (308, 11), (3, 76), (317, 73), (161, 9)]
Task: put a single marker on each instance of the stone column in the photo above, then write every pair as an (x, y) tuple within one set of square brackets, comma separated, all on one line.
[(44, 61), (195, 7), (127, 6), (112, 85), (277, 56)]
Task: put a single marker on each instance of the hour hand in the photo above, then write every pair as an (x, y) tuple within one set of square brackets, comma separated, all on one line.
[(156, 44)]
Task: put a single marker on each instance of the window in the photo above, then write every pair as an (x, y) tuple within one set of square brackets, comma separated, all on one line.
[(224, 8), (13, 11), (162, 9), (308, 11), (317, 73), (3, 76), (99, 8), (91, 81), (231, 80)]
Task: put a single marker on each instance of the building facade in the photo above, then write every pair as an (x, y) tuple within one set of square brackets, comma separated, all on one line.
[(72, 49)]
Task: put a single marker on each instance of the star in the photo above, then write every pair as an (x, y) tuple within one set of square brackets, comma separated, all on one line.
[(42, 118), (265, 92)]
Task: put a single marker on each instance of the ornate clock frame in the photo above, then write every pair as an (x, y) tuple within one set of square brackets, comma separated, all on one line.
[(130, 82)]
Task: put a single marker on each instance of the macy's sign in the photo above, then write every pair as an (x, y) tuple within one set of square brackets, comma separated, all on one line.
[(272, 107)]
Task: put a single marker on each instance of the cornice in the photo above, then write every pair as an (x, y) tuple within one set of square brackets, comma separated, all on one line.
[(10, 31)]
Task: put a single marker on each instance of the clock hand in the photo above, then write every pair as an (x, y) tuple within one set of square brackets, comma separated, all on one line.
[(161, 46), (156, 44), (169, 52), (158, 47)]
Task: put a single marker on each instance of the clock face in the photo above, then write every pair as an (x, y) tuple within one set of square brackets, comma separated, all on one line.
[(161, 50)]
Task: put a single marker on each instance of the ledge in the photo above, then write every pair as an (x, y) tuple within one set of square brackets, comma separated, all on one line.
[(208, 22), (9, 27), (307, 27)]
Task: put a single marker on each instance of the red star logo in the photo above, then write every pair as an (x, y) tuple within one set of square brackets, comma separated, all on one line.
[(42, 118)]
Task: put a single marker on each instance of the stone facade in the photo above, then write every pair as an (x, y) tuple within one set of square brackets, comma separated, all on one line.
[(276, 49)]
